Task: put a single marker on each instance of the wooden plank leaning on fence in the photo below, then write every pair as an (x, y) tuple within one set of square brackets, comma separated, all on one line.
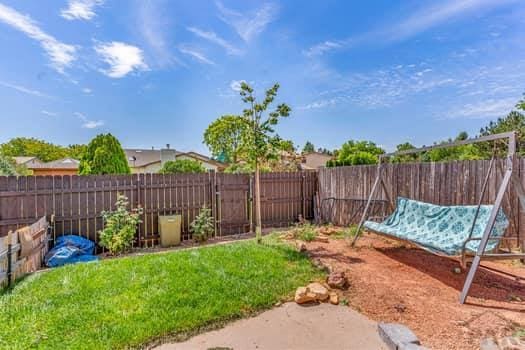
[(23, 251)]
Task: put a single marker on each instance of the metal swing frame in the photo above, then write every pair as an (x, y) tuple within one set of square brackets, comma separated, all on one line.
[(509, 177)]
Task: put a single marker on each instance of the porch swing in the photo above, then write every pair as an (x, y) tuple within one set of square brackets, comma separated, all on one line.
[(467, 232)]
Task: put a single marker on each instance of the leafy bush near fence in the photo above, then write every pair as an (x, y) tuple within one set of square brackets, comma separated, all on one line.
[(120, 226), (202, 226), (305, 232)]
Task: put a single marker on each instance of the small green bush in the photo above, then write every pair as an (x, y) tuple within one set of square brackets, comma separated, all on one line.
[(182, 166), (203, 226), (120, 226), (305, 232), (350, 231)]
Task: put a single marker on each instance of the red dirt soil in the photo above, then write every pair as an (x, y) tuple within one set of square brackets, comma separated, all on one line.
[(392, 282)]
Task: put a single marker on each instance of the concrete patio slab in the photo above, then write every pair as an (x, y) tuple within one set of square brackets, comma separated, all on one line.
[(291, 326)]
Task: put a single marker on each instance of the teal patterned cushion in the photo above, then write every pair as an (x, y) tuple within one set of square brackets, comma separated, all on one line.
[(440, 229)]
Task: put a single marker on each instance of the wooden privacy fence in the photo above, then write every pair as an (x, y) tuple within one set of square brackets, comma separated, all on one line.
[(22, 251), (343, 190), (76, 202)]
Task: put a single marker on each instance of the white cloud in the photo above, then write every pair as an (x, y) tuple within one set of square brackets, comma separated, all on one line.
[(195, 54), (87, 123), (248, 25), (60, 54), (87, 90), (320, 104), (216, 39), (49, 114), (491, 108), (235, 85), (24, 90), (121, 58), (429, 17), (80, 9), (412, 25), (321, 48), (154, 26)]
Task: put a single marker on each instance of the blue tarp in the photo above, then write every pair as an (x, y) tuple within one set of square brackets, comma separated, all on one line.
[(70, 249)]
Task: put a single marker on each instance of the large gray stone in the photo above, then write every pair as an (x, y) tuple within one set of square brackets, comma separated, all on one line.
[(397, 336), (488, 344)]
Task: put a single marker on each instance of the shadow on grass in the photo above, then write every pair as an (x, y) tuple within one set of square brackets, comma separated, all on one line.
[(8, 289), (487, 284)]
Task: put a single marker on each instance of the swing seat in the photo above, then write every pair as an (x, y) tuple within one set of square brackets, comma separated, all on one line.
[(440, 229)]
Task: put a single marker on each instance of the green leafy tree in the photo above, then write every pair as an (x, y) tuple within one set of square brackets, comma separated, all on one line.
[(182, 166), (6, 166), (514, 121), (286, 145), (521, 104), (76, 151), (463, 152), (104, 155), (43, 150), (308, 147), (325, 151), (358, 152), (239, 168), (406, 157), (260, 141), (120, 226), (224, 138), (31, 147)]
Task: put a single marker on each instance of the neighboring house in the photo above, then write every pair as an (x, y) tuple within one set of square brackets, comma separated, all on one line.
[(28, 162), (65, 166), (207, 162), (151, 160), (314, 160)]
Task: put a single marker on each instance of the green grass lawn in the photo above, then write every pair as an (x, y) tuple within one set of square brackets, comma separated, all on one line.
[(130, 301)]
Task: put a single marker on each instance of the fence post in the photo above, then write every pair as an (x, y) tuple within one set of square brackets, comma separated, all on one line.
[(303, 197), (250, 196), (9, 259), (212, 176)]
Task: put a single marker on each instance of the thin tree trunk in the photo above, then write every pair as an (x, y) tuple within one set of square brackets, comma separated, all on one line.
[(258, 225)]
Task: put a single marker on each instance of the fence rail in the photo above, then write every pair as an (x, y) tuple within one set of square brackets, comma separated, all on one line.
[(446, 183), (76, 203)]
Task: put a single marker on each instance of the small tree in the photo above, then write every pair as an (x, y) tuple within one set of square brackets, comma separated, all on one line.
[(407, 157), (308, 147), (6, 166), (25, 146), (287, 146), (224, 137), (104, 155), (521, 104), (203, 225), (359, 152), (259, 139), (120, 226), (514, 121), (182, 166)]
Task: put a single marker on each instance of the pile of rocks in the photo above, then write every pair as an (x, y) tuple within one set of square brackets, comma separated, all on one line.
[(317, 293)]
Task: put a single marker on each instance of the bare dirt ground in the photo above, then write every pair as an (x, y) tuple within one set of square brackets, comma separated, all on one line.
[(392, 282)]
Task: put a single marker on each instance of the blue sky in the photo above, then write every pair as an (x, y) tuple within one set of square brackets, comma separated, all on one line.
[(157, 72)]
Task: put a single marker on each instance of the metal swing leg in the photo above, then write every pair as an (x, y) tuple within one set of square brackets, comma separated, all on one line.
[(367, 206), (488, 229)]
